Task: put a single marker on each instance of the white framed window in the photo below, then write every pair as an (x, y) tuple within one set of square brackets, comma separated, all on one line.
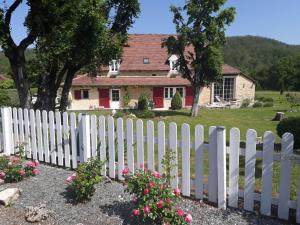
[(173, 61), (171, 91), (114, 66), (225, 89)]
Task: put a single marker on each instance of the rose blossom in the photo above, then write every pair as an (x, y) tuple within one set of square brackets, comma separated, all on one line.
[(136, 212), (146, 210), (151, 184), (36, 163), (177, 191), (125, 171), (188, 218), (180, 212), (71, 178), (156, 174), (160, 204), (22, 173), (146, 191), (134, 199), (2, 175), (35, 171), (30, 164)]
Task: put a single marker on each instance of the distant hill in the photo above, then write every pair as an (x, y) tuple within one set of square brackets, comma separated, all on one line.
[(252, 53)]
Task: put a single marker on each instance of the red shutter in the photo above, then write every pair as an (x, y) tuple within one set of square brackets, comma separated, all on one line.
[(77, 94), (104, 98), (189, 95), (158, 97)]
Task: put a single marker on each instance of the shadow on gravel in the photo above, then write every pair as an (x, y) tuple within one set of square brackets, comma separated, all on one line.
[(68, 197), (121, 209)]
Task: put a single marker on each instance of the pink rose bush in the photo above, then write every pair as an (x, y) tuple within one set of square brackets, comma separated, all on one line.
[(14, 169), (155, 202)]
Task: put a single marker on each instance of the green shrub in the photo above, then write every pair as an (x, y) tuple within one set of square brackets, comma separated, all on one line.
[(246, 102), (146, 114), (143, 102), (119, 114), (176, 102), (293, 99), (257, 105), (264, 99), (82, 184), (7, 84), (268, 104), (290, 125)]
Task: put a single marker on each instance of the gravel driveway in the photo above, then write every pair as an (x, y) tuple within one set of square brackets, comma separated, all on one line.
[(110, 205)]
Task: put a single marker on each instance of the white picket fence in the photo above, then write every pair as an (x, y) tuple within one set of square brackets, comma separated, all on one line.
[(66, 139)]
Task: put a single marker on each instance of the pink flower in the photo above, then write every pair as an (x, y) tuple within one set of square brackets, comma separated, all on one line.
[(35, 171), (37, 163), (160, 204), (125, 171), (22, 173), (134, 199), (188, 218), (151, 184), (142, 166), (177, 191), (14, 160), (136, 212), (156, 174), (146, 191), (166, 224), (71, 178), (2, 175), (180, 212), (30, 164), (146, 210)]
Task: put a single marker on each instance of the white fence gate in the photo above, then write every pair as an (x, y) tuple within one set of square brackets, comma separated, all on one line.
[(66, 139)]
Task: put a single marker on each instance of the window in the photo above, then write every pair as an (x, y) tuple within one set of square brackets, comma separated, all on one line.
[(85, 94), (146, 60), (81, 94), (170, 92), (114, 66), (173, 65), (115, 95), (225, 89)]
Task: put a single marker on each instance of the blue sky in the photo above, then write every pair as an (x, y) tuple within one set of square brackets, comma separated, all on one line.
[(277, 19)]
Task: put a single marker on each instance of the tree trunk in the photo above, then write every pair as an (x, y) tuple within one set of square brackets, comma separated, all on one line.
[(17, 63), (195, 107), (66, 89)]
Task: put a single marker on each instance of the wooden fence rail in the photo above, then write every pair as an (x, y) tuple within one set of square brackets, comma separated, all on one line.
[(66, 139)]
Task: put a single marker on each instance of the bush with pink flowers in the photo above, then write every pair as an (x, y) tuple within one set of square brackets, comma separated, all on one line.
[(14, 169), (155, 202)]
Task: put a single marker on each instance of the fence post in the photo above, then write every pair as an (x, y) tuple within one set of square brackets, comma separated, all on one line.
[(85, 145), (221, 159), (7, 130)]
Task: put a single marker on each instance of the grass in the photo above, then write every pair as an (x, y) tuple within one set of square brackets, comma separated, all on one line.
[(259, 119)]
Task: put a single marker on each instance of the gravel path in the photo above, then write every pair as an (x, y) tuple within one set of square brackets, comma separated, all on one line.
[(110, 205)]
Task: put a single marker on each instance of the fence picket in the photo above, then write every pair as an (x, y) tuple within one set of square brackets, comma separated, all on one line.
[(111, 147), (27, 137), (15, 129), (120, 139), (7, 129), (250, 159), (39, 135), (74, 135), (287, 144), (199, 148), (21, 127), (150, 145), (33, 134), (66, 138), (140, 142), (46, 136), (267, 174), (85, 145), (212, 161), (102, 140), (59, 138), (173, 148), (234, 167), (161, 145), (221, 162), (130, 145), (186, 159), (94, 135), (53, 150)]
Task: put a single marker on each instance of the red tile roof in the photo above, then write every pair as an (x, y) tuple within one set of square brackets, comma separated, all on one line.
[(149, 46), (85, 80)]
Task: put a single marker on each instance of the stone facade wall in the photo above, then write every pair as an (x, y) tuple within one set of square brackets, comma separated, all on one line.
[(245, 89)]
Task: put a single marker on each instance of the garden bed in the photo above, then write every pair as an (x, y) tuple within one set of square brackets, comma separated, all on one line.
[(109, 205)]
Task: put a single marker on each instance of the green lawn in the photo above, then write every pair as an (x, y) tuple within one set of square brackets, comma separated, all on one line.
[(259, 119)]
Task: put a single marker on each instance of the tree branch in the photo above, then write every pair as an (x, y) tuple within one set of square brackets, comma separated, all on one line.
[(28, 40)]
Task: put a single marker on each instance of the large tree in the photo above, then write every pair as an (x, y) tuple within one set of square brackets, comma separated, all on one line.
[(91, 34), (200, 27)]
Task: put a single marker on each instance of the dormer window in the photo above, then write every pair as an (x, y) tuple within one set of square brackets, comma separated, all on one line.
[(146, 60), (114, 66), (173, 63)]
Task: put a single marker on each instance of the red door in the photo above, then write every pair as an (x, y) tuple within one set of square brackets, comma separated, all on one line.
[(104, 98), (189, 95), (158, 97)]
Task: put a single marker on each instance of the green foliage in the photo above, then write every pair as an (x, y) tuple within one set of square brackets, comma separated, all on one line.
[(176, 102), (143, 102), (290, 125), (126, 99), (264, 99), (168, 164), (7, 84), (293, 99), (257, 105), (3, 162), (82, 184), (268, 104), (246, 102), (144, 114)]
